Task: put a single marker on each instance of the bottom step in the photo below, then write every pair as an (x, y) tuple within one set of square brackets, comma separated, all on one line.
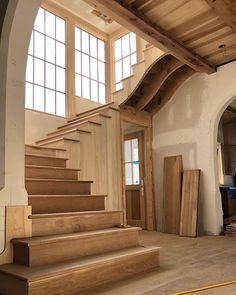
[(76, 275)]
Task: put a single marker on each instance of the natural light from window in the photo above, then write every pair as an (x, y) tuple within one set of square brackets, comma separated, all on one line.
[(132, 162), (46, 65), (90, 73), (125, 57)]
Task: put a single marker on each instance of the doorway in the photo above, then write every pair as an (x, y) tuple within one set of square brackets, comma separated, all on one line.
[(134, 179)]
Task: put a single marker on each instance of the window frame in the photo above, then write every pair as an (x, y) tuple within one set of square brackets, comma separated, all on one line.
[(90, 57), (56, 13)]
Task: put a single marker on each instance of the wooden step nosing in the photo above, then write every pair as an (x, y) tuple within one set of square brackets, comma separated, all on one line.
[(46, 148), (57, 180), (76, 236), (67, 196), (45, 156), (82, 263), (62, 132), (73, 214), (51, 167)]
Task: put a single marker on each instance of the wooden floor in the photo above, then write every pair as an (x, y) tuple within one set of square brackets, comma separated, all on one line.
[(186, 263)]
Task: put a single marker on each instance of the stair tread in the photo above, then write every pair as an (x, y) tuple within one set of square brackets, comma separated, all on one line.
[(40, 272), (76, 119), (51, 167), (61, 132), (72, 236), (67, 196), (45, 148), (45, 156), (57, 180), (69, 214)]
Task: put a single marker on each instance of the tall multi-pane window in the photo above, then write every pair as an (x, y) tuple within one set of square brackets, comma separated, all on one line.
[(132, 162), (125, 57), (90, 76), (46, 65)]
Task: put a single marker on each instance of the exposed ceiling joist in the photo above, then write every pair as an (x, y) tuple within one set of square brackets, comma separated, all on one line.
[(225, 10), (136, 22), (231, 110)]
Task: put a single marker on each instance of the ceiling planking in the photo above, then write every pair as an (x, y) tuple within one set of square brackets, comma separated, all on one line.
[(200, 26)]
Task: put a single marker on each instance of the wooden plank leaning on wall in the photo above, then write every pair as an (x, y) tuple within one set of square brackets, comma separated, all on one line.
[(144, 119)]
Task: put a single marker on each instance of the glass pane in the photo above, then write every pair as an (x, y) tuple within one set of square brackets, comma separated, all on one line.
[(50, 50), (85, 65), (77, 39), (38, 98), (125, 45), (50, 24), (93, 46), (60, 30), (117, 49), (38, 72), (50, 76), (101, 71), (29, 69), (78, 62), (85, 42), (50, 101), (127, 151), (39, 21), (126, 67), (118, 71), (78, 85), (132, 42), (60, 104), (94, 90), (31, 47), (60, 79), (133, 59), (102, 93), (135, 156), (85, 88), (94, 69), (128, 174), (101, 50), (39, 45), (29, 96), (136, 179), (119, 86), (60, 54)]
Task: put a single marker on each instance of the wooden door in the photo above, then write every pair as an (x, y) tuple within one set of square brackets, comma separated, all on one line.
[(134, 180)]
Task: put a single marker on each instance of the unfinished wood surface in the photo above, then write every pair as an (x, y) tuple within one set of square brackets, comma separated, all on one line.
[(47, 250), (148, 29), (79, 274), (189, 206), (71, 222), (172, 194)]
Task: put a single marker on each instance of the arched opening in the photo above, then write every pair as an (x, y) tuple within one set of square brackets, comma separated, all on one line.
[(225, 162)]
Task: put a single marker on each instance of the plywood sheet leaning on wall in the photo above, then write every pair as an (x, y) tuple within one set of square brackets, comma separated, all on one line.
[(172, 194), (189, 207)]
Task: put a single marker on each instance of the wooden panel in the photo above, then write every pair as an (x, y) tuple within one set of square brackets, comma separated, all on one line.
[(189, 206), (172, 194)]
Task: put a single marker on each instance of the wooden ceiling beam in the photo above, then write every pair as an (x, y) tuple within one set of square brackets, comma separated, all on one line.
[(165, 69), (231, 110), (137, 22), (225, 10)]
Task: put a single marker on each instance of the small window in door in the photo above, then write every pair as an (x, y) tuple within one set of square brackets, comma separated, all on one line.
[(132, 162)]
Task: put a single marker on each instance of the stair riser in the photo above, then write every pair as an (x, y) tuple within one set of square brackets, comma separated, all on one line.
[(84, 127), (31, 172), (57, 162), (76, 135), (44, 254), (41, 152), (66, 225), (56, 188), (66, 204), (101, 274), (96, 119)]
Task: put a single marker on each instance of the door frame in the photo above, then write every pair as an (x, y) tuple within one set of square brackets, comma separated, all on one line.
[(145, 120), (138, 187)]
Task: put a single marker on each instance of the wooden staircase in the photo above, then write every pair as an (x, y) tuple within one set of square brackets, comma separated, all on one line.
[(76, 244)]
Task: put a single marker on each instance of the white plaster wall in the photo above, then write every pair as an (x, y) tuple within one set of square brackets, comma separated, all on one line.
[(188, 125), (38, 124)]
